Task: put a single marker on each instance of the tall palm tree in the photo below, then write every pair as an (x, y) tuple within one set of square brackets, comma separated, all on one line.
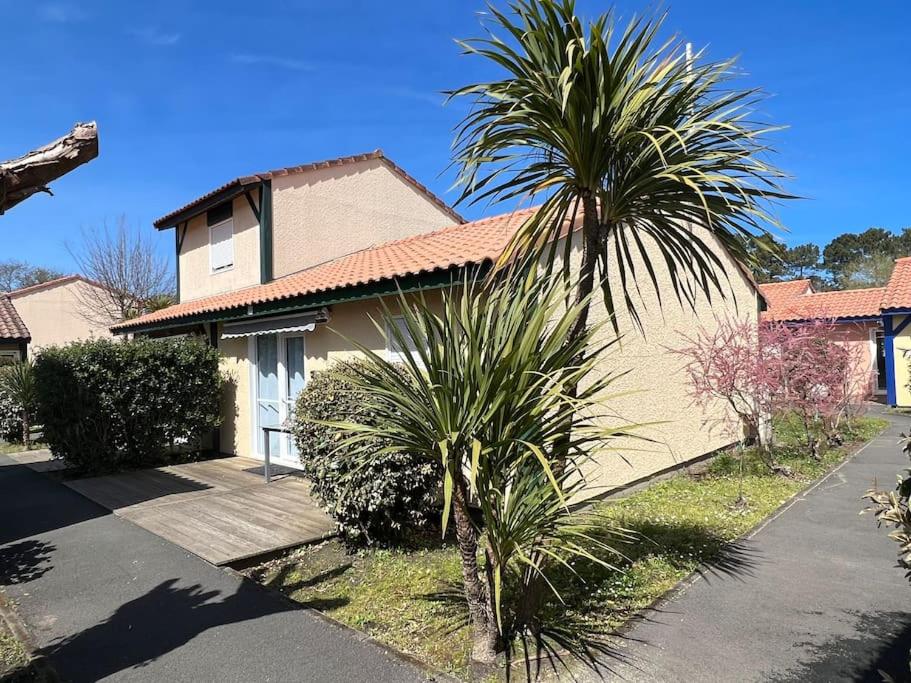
[(644, 141)]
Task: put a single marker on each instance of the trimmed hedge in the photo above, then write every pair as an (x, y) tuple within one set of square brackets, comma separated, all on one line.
[(373, 504), (110, 405)]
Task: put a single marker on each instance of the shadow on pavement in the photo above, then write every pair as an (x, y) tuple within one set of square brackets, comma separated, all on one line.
[(25, 561), (31, 504), (882, 649), (162, 620)]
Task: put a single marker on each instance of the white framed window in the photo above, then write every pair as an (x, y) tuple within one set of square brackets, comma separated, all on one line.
[(394, 352), (8, 357), (221, 246)]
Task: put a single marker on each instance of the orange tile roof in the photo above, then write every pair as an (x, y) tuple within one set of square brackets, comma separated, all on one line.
[(168, 220), (796, 300), (777, 294), (11, 326), (451, 247), (898, 291)]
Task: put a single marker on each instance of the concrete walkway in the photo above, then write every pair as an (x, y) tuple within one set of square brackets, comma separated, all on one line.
[(106, 600), (817, 595)]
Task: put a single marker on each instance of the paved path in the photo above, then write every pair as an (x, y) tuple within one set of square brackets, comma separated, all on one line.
[(819, 597), (106, 600)]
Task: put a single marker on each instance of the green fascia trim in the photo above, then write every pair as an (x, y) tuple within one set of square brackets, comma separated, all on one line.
[(265, 232), (413, 283)]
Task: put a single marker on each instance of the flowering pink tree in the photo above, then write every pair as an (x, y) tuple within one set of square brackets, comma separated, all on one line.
[(776, 368), (819, 377), (727, 363)]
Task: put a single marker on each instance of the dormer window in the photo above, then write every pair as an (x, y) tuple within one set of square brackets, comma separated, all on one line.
[(221, 237)]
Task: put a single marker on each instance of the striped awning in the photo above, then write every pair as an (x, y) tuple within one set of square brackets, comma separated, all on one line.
[(301, 322)]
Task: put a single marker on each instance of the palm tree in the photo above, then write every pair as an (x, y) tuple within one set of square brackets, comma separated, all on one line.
[(644, 141), (18, 381), (482, 396)]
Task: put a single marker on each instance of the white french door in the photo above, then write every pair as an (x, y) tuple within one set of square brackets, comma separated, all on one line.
[(278, 362)]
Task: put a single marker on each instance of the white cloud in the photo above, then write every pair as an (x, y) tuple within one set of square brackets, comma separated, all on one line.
[(273, 60), (155, 36)]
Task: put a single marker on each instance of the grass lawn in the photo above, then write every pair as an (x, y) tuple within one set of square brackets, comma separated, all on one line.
[(404, 597), (13, 657), (6, 448)]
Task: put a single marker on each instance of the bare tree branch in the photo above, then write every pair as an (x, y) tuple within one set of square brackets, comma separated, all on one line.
[(131, 275), (22, 177)]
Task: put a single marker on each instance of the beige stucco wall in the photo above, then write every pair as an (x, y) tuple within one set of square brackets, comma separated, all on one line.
[(323, 214), (325, 345), (196, 277), (236, 397), (55, 315), (651, 388)]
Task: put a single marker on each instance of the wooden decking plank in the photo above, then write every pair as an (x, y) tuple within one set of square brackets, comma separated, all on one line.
[(214, 508), (296, 522)]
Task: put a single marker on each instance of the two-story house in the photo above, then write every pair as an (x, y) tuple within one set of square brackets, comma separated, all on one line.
[(278, 269)]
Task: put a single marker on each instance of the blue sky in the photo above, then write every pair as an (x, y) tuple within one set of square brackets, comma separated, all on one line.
[(191, 94)]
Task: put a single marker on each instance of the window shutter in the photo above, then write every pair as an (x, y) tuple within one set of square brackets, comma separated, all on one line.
[(221, 245)]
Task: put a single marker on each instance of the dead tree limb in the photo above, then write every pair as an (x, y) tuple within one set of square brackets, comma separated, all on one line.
[(21, 178)]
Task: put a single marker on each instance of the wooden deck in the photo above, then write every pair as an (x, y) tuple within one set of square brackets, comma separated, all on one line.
[(221, 510)]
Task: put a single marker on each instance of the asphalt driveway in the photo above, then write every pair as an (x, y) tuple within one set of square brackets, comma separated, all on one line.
[(106, 600), (814, 595)]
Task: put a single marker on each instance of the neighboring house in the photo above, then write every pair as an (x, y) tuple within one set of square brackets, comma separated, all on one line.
[(14, 335), (55, 312), (269, 263), (876, 321)]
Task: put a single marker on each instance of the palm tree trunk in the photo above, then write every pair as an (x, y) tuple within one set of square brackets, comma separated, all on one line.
[(591, 227), (485, 636), (590, 245)]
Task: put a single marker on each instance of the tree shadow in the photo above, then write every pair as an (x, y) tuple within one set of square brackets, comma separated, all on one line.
[(883, 646), (278, 581), (25, 561), (582, 626), (158, 622)]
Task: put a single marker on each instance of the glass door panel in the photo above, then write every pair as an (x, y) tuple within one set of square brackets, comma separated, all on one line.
[(294, 382), (268, 403)]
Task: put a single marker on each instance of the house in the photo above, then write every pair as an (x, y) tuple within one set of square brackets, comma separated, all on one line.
[(874, 320), (57, 312), (14, 335), (270, 264)]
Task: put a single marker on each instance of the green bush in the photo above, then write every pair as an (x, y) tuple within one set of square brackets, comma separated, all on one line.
[(372, 504), (109, 405), (10, 419)]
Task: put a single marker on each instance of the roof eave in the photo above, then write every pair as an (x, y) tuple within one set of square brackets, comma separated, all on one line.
[(233, 189), (435, 279)]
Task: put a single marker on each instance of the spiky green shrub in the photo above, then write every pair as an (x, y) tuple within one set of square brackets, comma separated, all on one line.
[(390, 494), (109, 405), (484, 396)]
